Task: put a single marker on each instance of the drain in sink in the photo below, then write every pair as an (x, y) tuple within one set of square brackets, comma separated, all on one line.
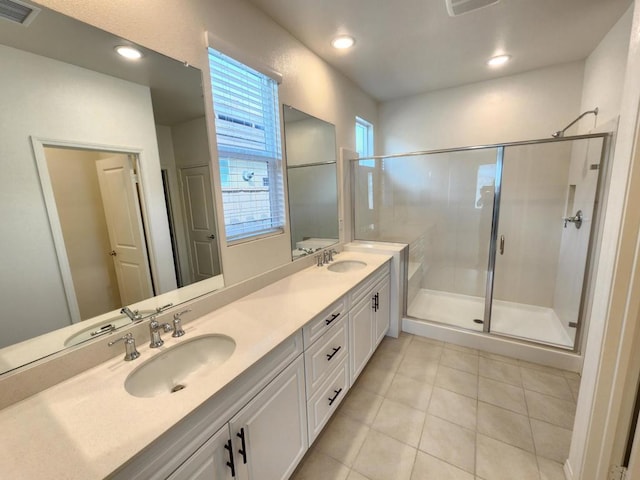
[(177, 388)]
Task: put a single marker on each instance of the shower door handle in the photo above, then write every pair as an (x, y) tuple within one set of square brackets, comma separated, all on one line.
[(501, 244)]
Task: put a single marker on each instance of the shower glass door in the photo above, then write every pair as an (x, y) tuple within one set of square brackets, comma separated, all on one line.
[(441, 204), (544, 223)]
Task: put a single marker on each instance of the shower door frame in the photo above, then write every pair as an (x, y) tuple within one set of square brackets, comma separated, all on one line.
[(500, 150)]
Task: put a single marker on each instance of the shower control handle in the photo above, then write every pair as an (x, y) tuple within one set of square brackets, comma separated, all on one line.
[(576, 220), (501, 244)]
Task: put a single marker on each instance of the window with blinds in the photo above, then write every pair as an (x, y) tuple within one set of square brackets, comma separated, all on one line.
[(246, 108)]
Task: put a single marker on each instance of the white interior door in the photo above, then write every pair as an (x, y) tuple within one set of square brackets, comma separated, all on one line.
[(124, 224), (199, 220)]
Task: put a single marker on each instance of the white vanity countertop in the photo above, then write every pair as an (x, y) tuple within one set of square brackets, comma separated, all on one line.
[(88, 426)]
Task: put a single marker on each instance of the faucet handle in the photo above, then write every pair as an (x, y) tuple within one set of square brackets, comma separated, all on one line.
[(163, 308), (177, 323), (131, 352)]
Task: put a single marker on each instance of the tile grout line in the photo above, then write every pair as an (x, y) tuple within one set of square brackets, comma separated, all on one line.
[(533, 439)]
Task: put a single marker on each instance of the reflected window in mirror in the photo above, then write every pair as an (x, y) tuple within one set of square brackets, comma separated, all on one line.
[(310, 147), (245, 104)]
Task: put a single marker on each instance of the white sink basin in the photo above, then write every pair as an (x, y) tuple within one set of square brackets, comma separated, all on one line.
[(346, 266), (173, 369)]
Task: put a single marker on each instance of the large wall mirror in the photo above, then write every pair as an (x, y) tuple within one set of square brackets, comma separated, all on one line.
[(105, 194), (310, 146)]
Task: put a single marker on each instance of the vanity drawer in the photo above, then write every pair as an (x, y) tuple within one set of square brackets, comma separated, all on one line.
[(325, 355), (323, 322), (324, 403), (367, 285)]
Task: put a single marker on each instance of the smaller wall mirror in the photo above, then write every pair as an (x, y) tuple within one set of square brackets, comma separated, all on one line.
[(310, 146)]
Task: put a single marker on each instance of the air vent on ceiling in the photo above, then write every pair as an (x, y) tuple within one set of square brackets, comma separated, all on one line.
[(459, 7), (17, 11)]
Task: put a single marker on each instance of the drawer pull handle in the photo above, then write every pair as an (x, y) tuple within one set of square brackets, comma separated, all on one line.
[(333, 317), (242, 451), (331, 355), (230, 463), (333, 399)]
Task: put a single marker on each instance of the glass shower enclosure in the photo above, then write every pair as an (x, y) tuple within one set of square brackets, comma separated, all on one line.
[(499, 236)]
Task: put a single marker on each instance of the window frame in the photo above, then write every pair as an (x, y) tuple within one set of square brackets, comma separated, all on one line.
[(230, 152), (368, 150)]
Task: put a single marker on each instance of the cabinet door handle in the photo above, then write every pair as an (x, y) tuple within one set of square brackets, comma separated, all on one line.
[(337, 393), (243, 450), (374, 301), (331, 355), (229, 447), (377, 301), (333, 317)]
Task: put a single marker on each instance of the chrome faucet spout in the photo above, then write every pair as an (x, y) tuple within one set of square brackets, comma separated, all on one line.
[(135, 315), (154, 332)]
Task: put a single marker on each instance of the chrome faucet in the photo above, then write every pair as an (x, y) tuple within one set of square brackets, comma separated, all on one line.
[(135, 316), (327, 255), (155, 328), (131, 353)]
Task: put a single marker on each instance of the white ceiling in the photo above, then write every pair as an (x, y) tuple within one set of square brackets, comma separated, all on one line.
[(176, 90), (404, 47)]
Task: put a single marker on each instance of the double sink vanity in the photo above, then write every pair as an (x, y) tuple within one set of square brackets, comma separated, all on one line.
[(243, 394)]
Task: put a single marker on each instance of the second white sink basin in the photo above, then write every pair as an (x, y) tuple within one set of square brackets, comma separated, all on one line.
[(169, 372), (346, 266)]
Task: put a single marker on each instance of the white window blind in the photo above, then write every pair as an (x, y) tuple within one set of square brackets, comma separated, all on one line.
[(245, 103)]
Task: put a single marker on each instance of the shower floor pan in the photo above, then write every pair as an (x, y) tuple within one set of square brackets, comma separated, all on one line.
[(528, 322)]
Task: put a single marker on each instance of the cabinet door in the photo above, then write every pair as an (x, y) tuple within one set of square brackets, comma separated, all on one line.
[(382, 313), (212, 461), (360, 335), (270, 433)]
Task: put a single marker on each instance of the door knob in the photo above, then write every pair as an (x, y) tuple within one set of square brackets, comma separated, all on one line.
[(212, 237)]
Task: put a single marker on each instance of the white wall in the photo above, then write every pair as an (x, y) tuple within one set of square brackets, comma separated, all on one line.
[(604, 73), (611, 82), (309, 84), (49, 99), (519, 107)]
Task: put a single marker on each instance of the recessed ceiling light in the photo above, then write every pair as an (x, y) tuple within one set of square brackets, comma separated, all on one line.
[(498, 60), (128, 52), (343, 41)]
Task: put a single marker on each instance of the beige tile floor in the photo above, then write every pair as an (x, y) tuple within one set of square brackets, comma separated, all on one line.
[(425, 410)]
